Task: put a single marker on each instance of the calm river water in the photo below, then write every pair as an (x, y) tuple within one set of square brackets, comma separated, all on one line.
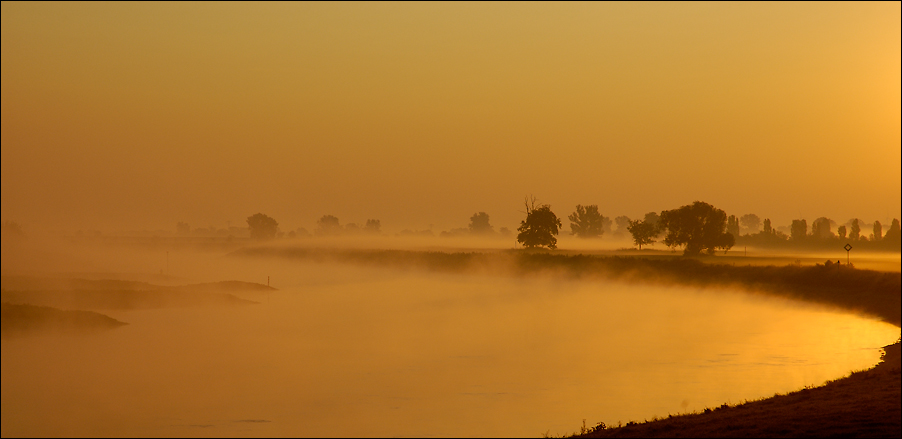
[(340, 351)]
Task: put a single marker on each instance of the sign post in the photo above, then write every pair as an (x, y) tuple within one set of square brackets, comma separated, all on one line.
[(848, 248)]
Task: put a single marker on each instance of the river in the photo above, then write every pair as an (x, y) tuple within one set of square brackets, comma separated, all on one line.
[(344, 351)]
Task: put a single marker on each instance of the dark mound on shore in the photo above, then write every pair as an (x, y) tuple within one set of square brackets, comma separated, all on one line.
[(19, 319)]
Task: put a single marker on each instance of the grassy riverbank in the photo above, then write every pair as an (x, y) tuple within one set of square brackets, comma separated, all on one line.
[(864, 404)]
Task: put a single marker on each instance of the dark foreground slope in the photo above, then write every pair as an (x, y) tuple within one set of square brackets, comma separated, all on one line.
[(864, 404)]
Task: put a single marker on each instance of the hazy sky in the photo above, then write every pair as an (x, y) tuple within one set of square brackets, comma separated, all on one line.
[(138, 115)]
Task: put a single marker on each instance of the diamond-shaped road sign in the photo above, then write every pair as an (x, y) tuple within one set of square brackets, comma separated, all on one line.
[(848, 247)]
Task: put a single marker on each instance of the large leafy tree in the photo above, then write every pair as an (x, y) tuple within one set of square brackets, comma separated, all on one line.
[(799, 230), (893, 235), (699, 226), (751, 222), (644, 232), (479, 224), (328, 225), (586, 222), (262, 227), (623, 223), (539, 227), (373, 226), (652, 218), (821, 228)]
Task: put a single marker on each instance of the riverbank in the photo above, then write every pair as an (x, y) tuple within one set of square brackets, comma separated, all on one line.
[(864, 404)]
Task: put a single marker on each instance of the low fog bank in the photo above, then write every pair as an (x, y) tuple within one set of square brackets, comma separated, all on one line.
[(873, 292), (177, 263), (862, 259), (431, 242)]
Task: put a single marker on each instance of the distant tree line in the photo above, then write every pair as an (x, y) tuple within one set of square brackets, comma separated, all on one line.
[(479, 227), (696, 228), (702, 228)]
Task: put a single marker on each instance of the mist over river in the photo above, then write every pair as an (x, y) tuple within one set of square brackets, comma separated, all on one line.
[(340, 350)]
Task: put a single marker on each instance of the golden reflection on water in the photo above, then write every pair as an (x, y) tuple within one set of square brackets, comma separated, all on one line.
[(418, 355)]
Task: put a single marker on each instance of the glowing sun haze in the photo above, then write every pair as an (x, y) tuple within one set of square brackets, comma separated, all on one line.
[(129, 116)]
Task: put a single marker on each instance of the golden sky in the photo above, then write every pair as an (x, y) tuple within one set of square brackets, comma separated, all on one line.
[(132, 116)]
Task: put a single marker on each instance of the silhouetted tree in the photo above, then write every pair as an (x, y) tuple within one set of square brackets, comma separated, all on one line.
[(855, 231), (373, 226), (893, 235), (878, 231), (652, 218), (820, 228), (539, 227), (606, 225), (479, 224), (182, 228), (733, 225), (327, 225), (841, 232), (751, 222), (643, 232), (12, 229), (262, 227), (623, 224), (799, 230), (699, 226), (505, 232), (586, 222), (767, 228)]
